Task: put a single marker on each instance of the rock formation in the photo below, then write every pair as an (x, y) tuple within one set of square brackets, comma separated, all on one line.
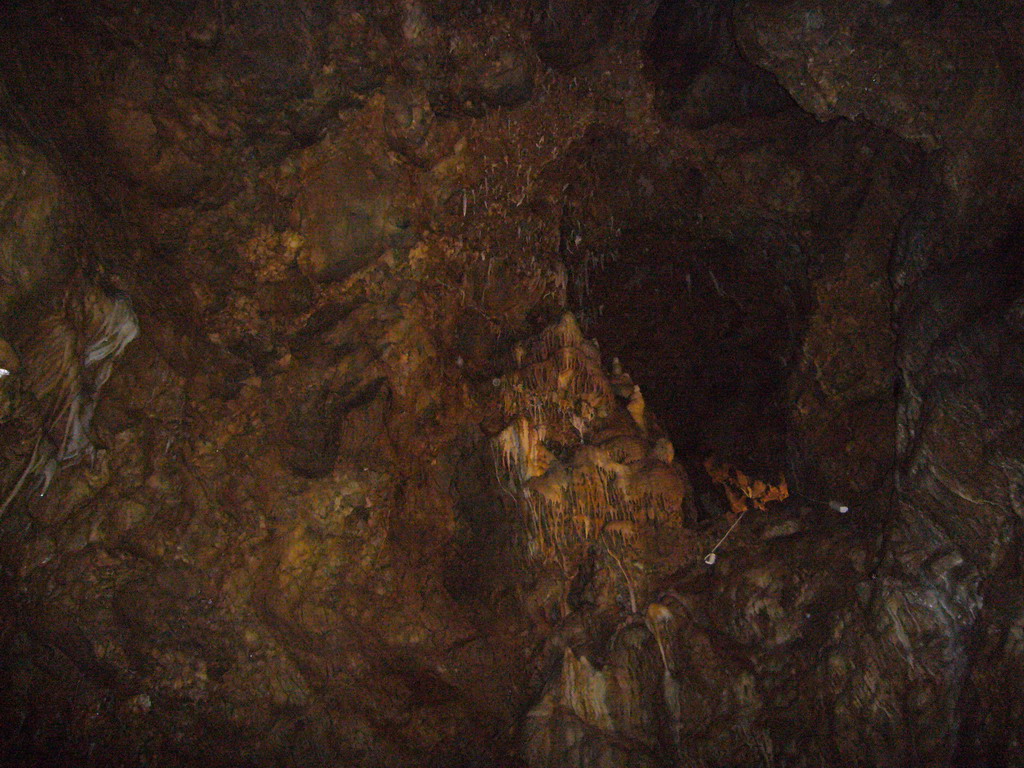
[(570, 383)]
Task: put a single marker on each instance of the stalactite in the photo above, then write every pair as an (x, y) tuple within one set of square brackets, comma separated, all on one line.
[(604, 491)]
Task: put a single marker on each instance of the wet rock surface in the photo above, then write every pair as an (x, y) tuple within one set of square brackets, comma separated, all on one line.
[(510, 386)]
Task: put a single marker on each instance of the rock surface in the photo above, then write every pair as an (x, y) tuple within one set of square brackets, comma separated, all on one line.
[(37, 215), (452, 319)]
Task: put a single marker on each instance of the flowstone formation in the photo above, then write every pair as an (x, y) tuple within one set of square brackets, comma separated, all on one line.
[(578, 457), (67, 341), (595, 488)]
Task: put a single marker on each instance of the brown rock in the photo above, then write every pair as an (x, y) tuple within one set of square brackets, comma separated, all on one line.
[(351, 210)]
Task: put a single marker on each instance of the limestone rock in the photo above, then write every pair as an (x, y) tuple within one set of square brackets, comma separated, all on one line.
[(36, 215), (351, 210)]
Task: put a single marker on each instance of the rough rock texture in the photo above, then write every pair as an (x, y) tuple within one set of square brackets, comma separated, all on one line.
[(349, 213), (941, 75), (36, 216), (702, 77), (471, 338)]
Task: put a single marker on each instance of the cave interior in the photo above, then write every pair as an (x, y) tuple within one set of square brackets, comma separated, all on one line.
[(566, 383)]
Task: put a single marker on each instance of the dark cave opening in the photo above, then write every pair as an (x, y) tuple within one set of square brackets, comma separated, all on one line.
[(709, 327), (709, 342), (726, 286)]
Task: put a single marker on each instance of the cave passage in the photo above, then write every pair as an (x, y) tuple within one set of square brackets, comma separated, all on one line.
[(709, 328), (708, 341)]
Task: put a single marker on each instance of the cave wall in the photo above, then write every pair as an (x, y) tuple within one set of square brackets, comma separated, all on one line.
[(351, 231)]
